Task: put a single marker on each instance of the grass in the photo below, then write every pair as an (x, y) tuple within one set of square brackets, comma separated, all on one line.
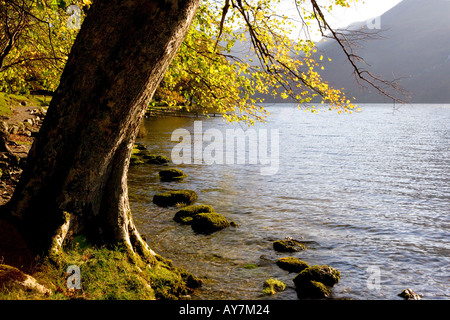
[(9, 101), (107, 274)]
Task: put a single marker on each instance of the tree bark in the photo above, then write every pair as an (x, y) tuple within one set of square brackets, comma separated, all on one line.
[(75, 181)]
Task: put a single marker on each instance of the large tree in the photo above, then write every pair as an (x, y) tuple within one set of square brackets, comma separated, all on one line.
[(75, 181), (76, 177)]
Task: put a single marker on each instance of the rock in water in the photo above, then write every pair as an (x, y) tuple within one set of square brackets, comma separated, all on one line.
[(292, 264), (172, 198), (172, 174), (209, 222), (288, 246), (316, 281), (409, 294), (186, 215)]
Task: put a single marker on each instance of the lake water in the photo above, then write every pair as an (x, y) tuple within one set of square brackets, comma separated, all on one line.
[(368, 193)]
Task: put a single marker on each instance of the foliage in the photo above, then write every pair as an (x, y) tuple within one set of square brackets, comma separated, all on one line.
[(41, 34), (206, 75)]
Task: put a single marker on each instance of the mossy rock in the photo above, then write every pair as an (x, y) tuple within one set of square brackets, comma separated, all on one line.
[(172, 198), (172, 174), (12, 278), (209, 222), (409, 294), (156, 159), (272, 286), (288, 246), (140, 155), (313, 290), (324, 274), (292, 264), (186, 215)]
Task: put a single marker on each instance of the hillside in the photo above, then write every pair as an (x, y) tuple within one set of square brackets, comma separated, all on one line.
[(414, 46)]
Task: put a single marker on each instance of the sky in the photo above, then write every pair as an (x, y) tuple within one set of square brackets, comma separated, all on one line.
[(360, 11)]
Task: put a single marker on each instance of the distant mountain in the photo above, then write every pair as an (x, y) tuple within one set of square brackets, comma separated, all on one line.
[(414, 46)]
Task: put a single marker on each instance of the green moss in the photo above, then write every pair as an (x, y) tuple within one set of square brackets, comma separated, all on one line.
[(109, 274), (250, 266), (288, 246), (186, 214), (209, 222), (313, 290), (272, 286), (10, 101), (292, 264), (140, 155), (172, 174), (324, 274), (172, 198), (316, 281)]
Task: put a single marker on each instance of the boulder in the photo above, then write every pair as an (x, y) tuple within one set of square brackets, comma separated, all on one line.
[(11, 277), (316, 282), (272, 286), (140, 155), (186, 215), (172, 174), (409, 294), (324, 274), (288, 245), (209, 222), (313, 290), (172, 198), (292, 264)]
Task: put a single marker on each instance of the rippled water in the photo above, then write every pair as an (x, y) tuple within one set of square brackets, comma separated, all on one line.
[(366, 192)]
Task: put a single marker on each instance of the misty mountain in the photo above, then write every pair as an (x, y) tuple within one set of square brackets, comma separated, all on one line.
[(414, 45)]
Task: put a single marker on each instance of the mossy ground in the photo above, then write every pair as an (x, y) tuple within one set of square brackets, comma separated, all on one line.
[(9, 101), (107, 274)]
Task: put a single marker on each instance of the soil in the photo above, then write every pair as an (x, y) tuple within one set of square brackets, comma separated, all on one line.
[(20, 144), (13, 248)]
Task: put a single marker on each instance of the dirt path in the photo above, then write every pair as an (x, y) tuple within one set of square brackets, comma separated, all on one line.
[(23, 125)]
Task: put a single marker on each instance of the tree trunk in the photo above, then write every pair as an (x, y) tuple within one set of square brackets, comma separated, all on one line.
[(75, 181)]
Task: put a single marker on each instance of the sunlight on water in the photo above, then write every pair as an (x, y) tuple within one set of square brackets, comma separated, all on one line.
[(363, 190)]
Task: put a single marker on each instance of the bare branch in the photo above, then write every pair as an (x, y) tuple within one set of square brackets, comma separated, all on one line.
[(347, 46)]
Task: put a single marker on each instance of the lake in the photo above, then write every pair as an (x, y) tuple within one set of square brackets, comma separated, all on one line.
[(368, 193)]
